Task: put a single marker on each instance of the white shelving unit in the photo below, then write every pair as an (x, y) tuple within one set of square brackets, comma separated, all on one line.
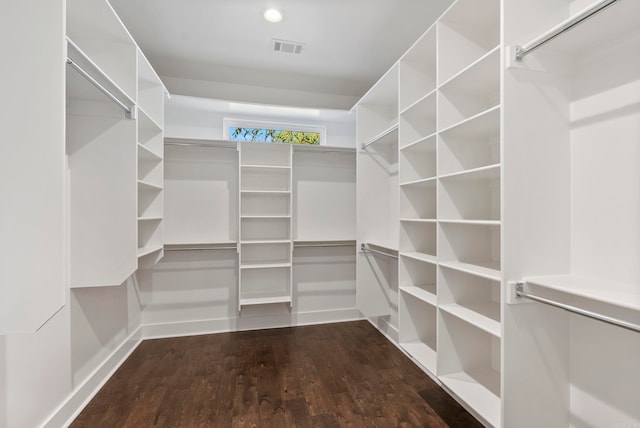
[(114, 117), (150, 164), (571, 232), (101, 146), (450, 207), (469, 205), (378, 198), (265, 231)]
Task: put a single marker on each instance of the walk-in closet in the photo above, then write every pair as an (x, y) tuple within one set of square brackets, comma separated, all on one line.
[(443, 232)]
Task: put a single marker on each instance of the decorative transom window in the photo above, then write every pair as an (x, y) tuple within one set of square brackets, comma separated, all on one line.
[(274, 132)]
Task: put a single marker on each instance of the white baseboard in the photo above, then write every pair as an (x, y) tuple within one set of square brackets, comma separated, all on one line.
[(81, 395), (383, 325), (222, 325)]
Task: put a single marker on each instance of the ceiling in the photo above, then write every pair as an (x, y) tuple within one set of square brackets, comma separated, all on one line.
[(348, 44)]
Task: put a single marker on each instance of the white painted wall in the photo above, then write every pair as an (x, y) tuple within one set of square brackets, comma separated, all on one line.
[(192, 292), (194, 117), (41, 371), (258, 94)]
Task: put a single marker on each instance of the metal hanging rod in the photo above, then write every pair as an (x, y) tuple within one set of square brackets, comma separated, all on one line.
[(609, 320), (196, 144), (380, 136), (234, 146), (200, 248), (128, 110), (319, 151), (336, 244), (365, 249), (522, 51)]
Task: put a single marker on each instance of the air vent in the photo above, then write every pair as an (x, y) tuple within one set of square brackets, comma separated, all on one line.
[(286, 46)]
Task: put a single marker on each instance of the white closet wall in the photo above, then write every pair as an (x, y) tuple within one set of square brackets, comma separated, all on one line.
[(32, 172), (236, 214)]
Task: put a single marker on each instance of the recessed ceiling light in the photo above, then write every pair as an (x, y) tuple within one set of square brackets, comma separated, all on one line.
[(273, 15)]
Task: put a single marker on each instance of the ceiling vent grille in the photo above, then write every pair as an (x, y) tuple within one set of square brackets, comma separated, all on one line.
[(286, 46)]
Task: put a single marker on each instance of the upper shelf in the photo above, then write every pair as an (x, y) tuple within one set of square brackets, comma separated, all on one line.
[(613, 294), (94, 26), (617, 19), (87, 90)]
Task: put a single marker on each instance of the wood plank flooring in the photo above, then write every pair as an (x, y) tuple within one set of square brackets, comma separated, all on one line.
[(331, 375)]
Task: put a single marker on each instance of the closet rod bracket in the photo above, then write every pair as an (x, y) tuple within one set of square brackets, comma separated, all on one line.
[(132, 113)]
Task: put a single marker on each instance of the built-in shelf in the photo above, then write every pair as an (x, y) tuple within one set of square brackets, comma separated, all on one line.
[(470, 387), (144, 251), (422, 354), (428, 258), (263, 216), (484, 270), (147, 122), (265, 265), (485, 73), (426, 293), (145, 154), (611, 293), (317, 148), (265, 241), (485, 316), (266, 192), (418, 220), (620, 19), (82, 60), (423, 145), (249, 301), (418, 101), (471, 222), (144, 185), (266, 167), (481, 173)]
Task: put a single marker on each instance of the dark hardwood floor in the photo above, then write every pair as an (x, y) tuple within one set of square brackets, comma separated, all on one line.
[(332, 375)]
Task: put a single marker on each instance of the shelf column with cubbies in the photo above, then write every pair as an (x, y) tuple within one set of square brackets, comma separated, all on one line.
[(150, 163), (417, 270), (265, 228), (469, 205)]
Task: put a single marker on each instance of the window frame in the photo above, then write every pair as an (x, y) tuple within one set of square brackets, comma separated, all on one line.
[(228, 123)]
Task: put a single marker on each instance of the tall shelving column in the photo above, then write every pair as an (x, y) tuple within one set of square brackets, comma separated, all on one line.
[(417, 306), (101, 145), (377, 198), (469, 205), (150, 163), (265, 247)]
